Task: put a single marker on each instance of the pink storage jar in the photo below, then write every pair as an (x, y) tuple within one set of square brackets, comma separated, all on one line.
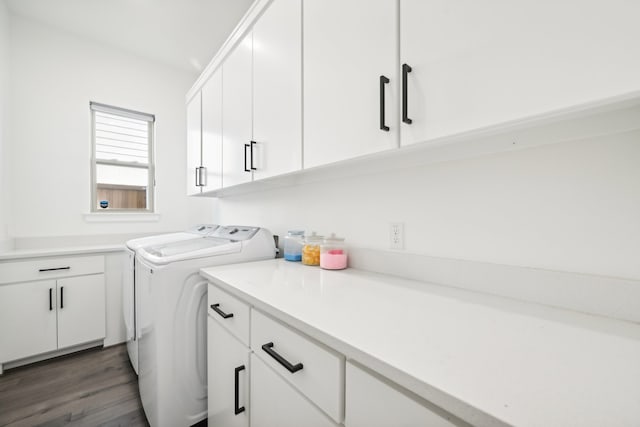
[(333, 253)]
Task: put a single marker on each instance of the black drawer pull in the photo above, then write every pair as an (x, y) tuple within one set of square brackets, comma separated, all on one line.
[(236, 397), (268, 347), (383, 80), (220, 312), (50, 299), (406, 69), (54, 269)]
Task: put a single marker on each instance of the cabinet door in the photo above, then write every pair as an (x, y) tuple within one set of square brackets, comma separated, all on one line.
[(476, 64), (194, 142), (348, 45), (228, 371), (27, 319), (372, 403), (277, 89), (212, 131), (275, 403), (81, 310), (236, 114)]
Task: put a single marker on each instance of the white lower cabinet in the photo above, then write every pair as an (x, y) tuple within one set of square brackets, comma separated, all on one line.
[(274, 403), (287, 379), (370, 402), (314, 370), (81, 310), (228, 378), (42, 309), (27, 319)]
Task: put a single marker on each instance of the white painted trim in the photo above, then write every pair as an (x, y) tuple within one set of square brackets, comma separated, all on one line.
[(245, 24), (617, 298), (121, 217)]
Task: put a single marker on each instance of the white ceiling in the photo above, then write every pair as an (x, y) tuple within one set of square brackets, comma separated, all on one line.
[(183, 33)]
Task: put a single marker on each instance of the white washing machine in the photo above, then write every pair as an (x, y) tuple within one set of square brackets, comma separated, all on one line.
[(173, 315), (129, 301)]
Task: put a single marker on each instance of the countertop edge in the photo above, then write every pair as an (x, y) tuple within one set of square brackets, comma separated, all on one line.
[(52, 252)]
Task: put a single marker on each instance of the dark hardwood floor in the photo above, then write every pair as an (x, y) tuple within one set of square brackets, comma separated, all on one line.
[(96, 387)]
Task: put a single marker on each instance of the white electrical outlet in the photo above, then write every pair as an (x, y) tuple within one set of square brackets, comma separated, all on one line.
[(396, 235)]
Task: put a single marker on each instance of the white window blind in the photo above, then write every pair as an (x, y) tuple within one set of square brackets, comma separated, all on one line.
[(121, 135)]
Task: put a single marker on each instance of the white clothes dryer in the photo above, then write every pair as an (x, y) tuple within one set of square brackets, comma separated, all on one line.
[(173, 312), (129, 301)]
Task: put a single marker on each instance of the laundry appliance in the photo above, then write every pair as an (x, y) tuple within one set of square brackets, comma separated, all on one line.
[(129, 302), (173, 311)]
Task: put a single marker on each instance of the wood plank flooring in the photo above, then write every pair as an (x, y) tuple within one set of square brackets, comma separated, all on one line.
[(96, 387)]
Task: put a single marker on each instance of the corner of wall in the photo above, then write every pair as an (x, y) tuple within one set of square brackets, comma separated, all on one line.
[(5, 214)]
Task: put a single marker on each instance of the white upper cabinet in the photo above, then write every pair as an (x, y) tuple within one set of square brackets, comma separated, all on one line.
[(194, 143), (476, 64), (277, 89), (339, 79), (212, 132), (236, 115), (350, 49)]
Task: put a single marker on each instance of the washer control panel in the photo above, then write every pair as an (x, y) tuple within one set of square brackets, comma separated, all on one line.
[(235, 232)]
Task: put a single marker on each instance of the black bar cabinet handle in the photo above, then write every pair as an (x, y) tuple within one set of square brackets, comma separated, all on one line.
[(50, 299), (406, 69), (54, 269), (252, 144), (268, 347), (383, 80), (237, 409), (61, 296), (220, 312), (245, 158)]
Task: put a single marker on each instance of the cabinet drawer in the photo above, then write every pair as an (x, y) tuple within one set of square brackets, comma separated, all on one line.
[(230, 312), (321, 376), (392, 407), (50, 268), (275, 403)]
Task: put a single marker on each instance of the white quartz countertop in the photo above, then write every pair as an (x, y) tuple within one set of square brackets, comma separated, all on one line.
[(489, 360), (46, 252)]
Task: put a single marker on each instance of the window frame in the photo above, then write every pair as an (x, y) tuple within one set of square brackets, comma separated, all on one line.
[(150, 166)]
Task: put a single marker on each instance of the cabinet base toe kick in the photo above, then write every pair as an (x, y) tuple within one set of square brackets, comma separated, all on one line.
[(49, 355)]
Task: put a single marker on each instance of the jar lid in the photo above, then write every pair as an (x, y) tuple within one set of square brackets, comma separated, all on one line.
[(333, 238), (313, 237), (295, 232)]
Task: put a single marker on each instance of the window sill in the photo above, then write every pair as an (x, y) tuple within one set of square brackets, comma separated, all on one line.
[(121, 217)]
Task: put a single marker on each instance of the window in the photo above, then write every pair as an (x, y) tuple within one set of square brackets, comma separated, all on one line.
[(122, 164)]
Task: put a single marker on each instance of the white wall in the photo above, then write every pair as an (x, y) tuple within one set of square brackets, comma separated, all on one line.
[(4, 120), (56, 74), (573, 206)]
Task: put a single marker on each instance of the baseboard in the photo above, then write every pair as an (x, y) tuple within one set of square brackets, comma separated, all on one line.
[(49, 355)]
